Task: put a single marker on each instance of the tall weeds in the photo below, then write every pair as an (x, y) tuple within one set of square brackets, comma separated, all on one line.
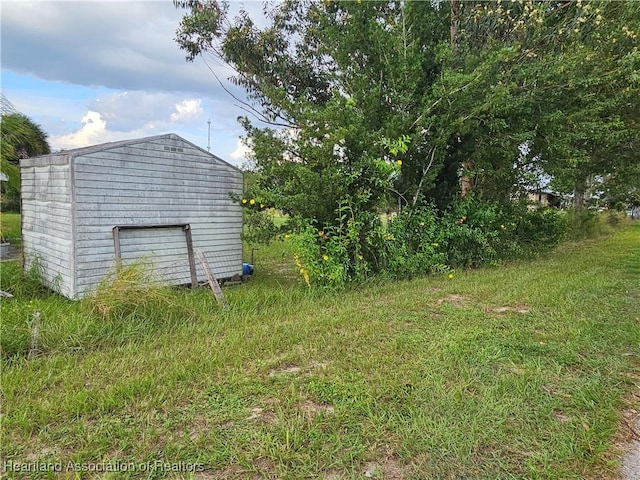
[(127, 306)]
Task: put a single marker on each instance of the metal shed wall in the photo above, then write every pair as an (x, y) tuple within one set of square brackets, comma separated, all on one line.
[(152, 181), (47, 221)]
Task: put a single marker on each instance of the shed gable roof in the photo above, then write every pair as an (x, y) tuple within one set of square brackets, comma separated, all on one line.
[(77, 152)]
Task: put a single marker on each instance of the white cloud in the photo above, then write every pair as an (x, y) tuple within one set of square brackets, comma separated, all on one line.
[(89, 74), (242, 151), (131, 109), (187, 109), (95, 130), (92, 131)]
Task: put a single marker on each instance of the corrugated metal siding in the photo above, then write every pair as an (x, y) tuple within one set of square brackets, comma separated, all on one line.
[(148, 183), (47, 233)]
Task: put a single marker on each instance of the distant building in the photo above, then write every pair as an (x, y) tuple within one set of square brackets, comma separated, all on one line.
[(544, 198)]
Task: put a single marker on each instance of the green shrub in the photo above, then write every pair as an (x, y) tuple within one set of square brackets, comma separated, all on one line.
[(583, 224), (422, 241), (334, 256), (538, 230), (411, 244), (469, 233)]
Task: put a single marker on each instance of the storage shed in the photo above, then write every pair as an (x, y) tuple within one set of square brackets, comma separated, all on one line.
[(161, 198)]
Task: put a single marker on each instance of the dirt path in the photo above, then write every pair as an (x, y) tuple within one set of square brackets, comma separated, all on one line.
[(630, 469)]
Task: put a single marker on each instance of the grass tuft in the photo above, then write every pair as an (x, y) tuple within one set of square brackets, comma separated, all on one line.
[(129, 291)]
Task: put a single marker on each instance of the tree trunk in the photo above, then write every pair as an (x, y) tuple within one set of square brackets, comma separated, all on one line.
[(466, 181), (455, 23), (579, 188), (578, 199)]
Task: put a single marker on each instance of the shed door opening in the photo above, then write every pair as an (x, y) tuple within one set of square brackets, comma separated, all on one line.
[(167, 248)]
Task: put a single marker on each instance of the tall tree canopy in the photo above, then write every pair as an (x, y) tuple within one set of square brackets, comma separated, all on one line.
[(20, 138), (371, 102)]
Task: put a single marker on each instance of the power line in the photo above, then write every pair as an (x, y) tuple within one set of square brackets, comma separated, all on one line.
[(6, 107)]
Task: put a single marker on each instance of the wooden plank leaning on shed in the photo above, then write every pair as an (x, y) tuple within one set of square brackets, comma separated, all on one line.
[(213, 283)]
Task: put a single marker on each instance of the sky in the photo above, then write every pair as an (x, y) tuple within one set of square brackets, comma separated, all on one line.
[(90, 72)]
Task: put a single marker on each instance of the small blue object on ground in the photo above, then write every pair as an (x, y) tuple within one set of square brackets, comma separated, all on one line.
[(247, 269)]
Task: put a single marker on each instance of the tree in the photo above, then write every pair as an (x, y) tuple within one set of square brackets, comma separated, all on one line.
[(20, 138), (407, 103), (567, 78), (345, 80)]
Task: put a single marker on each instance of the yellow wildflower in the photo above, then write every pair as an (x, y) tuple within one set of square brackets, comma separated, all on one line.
[(399, 163), (252, 201), (325, 257), (244, 200), (450, 276)]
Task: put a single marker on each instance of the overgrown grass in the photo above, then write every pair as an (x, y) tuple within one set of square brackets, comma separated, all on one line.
[(586, 224), (10, 227), (510, 372)]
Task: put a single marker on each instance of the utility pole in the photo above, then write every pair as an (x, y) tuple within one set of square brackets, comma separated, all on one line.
[(209, 137)]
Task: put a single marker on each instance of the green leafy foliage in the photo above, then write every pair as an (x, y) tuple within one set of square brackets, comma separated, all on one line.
[(425, 241), (21, 138), (451, 111), (410, 245)]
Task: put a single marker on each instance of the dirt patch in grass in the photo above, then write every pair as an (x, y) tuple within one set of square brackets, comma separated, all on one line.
[(199, 427), (41, 454), (388, 468), (290, 369), (521, 309), (262, 468), (313, 408), (264, 415), (265, 411), (265, 468), (455, 300), (232, 471), (465, 301), (334, 475), (319, 365), (207, 476), (561, 417)]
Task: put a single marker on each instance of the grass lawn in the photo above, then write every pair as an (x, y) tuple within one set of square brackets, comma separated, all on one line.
[(504, 373), (10, 228)]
